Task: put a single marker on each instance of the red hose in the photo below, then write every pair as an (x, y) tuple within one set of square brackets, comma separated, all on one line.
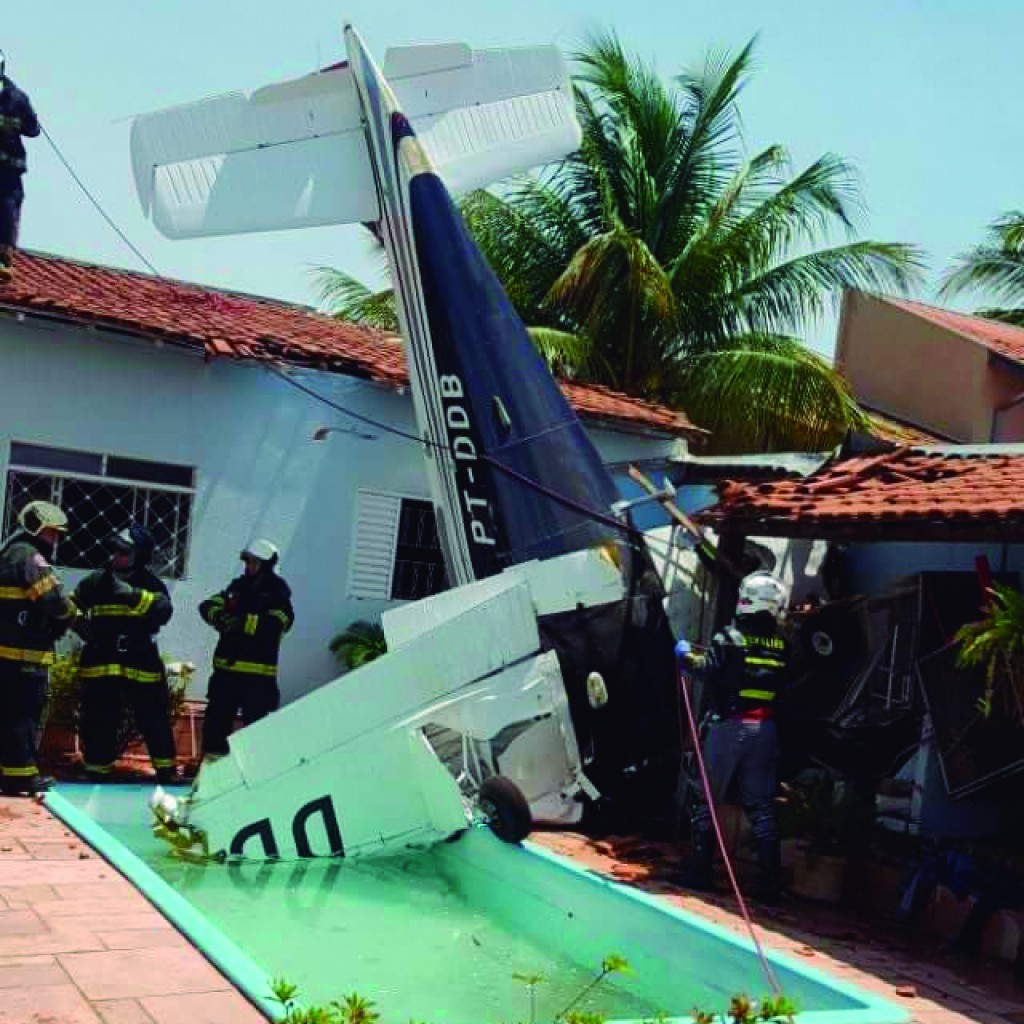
[(705, 782)]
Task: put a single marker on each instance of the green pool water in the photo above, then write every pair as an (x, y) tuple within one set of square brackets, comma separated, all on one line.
[(447, 936)]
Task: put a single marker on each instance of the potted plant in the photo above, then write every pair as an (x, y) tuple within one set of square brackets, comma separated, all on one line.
[(827, 819), (359, 644), (995, 644), (60, 720)]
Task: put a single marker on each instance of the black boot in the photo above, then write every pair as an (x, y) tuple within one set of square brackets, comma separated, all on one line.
[(769, 862), (698, 873), (28, 785)]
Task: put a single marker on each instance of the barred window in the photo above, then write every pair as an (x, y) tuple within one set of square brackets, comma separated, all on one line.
[(101, 495), (419, 563), (397, 552)]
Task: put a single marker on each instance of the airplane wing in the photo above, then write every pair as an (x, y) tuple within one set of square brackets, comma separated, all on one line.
[(293, 154)]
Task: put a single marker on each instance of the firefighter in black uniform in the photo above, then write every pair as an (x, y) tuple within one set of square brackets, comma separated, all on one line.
[(252, 615), (17, 118), (34, 614), (746, 667), (125, 605)]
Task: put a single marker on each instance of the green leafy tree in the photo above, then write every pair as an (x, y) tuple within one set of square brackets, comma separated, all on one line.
[(996, 267), (661, 260)]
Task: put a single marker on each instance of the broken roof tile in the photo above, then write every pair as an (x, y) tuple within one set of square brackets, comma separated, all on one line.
[(903, 485)]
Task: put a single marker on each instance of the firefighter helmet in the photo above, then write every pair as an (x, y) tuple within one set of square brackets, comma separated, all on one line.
[(37, 516), (762, 592), (262, 550), (136, 541)]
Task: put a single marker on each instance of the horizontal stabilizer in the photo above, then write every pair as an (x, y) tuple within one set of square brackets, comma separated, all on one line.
[(293, 154)]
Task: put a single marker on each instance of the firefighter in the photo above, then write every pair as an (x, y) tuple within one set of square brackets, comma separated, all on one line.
[(17, 119), (251, 615), (125, 604), (34, 614), (745, 669)]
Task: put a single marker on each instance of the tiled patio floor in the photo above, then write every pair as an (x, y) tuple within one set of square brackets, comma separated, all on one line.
[(908, 970), (80, 945)]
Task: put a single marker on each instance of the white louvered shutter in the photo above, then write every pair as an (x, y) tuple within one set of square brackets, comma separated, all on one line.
[(372, 560)]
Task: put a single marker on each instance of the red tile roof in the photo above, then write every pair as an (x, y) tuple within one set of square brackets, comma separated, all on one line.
[(1003, 339), (888, 428), (914, 489), (234, 326)]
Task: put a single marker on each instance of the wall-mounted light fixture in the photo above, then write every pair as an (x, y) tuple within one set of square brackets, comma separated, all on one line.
[(322, 433)]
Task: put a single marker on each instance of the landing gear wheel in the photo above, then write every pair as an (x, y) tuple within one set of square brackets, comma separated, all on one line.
[(505, 809)]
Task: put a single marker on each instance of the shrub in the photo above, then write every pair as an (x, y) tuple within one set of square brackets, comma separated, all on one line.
[(65, 697), (359, 644), (355, 1009)]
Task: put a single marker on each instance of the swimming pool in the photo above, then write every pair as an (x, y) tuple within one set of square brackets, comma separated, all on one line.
[(448, 936)]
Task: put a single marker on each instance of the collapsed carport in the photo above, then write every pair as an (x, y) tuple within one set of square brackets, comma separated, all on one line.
[(916, 536)]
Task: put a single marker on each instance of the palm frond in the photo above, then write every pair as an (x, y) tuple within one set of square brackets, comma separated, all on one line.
[(527, 240), (619, 294), (567, 354), (1006, 316), (346, 298), (996, 265), (709, 156), (767, 393), (797, 292), (999, 634), (643, 125)]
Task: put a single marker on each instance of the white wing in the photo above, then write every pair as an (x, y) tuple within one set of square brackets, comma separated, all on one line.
[(293, 154)]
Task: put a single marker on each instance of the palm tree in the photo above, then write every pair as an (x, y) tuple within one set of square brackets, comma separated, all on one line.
[(660, 261), (997, 265)]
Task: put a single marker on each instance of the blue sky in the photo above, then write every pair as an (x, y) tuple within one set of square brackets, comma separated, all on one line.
[(922, 97)]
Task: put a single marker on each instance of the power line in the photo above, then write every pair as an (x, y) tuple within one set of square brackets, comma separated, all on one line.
[(95, 202)]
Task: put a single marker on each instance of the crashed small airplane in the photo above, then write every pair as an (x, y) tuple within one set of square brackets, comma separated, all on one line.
[(544, 677)]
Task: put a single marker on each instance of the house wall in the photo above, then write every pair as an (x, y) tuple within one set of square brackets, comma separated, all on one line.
[(874, 566), (259, 473), (884, 351), (1005, 386)]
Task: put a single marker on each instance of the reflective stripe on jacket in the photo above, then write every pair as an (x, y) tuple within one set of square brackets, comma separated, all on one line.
[(747, 665), (123, 614), (251, 614), (34, 612)]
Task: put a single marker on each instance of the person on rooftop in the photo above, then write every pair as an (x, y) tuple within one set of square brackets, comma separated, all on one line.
[(17, 120)]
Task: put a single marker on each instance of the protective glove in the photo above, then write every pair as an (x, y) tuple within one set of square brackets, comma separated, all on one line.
[(81, 625), (227, 624)]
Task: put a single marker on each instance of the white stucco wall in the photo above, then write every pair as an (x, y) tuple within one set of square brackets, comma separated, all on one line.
[(874, 566), (258, 472)]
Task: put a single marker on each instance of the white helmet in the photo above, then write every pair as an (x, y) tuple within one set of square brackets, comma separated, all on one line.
[(37, 516), (262, 549), (762, 592)]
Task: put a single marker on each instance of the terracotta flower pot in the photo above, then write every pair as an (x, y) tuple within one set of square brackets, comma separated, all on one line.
[(56, 744), (819, 876)]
